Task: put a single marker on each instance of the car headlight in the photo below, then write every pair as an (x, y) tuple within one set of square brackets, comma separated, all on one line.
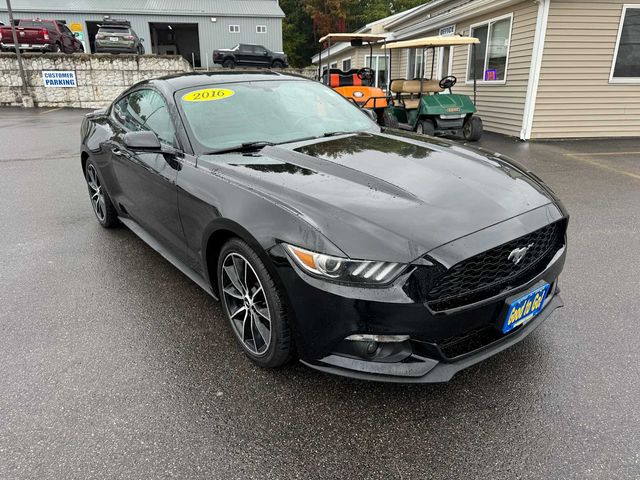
[(339, 269)]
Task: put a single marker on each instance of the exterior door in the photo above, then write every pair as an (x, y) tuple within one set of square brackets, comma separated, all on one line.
[(379, 66), (445, 61), (147, 180), (244, 55), (67, 37), (261, 56)]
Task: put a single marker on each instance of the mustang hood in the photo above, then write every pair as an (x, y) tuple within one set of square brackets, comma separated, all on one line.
[(386, 197)]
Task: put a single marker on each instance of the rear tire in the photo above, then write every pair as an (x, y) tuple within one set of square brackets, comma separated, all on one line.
[(253, 305), (104, 210), (472, 129), (426, 127), (228, 63)]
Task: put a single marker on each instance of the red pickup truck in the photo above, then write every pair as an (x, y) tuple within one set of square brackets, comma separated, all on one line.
[(42, 36)]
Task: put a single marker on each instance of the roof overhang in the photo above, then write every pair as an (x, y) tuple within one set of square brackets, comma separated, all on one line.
[(348, 37), (193, 8), (456, 14), (419, 10), (439, 41)]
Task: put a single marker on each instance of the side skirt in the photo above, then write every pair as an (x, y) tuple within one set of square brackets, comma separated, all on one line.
[(153, 243)]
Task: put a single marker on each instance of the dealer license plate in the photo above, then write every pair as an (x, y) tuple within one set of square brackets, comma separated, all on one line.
[(525, 308)]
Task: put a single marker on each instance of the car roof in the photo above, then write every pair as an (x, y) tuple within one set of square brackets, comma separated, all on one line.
[(196, 79)]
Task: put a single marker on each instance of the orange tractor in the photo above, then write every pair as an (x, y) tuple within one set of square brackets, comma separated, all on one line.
[(357, 85)]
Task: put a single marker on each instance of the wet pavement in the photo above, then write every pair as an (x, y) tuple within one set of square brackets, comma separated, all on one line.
[(115, 365)]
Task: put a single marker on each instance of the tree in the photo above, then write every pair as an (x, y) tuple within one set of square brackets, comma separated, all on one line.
[(308, 20), (297, 33)]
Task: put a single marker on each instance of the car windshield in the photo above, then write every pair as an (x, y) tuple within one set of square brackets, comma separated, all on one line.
[(275, 111)]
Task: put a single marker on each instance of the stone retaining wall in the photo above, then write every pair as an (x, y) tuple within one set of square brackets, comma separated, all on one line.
[(99, 77)]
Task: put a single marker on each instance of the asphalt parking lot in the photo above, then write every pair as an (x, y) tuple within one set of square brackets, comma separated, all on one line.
[(115, 365)]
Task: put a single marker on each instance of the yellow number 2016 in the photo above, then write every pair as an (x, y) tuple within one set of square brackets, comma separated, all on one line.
[(208, 94)]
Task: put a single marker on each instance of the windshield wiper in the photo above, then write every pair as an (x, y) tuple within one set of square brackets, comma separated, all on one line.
[(333, 134), (243, 147)]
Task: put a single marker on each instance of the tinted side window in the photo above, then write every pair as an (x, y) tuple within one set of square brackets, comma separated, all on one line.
[(146, 110), (259, 50), (120, 111)]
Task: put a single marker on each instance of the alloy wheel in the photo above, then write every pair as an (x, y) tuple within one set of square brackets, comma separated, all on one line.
[(246, 303), (97, 193)]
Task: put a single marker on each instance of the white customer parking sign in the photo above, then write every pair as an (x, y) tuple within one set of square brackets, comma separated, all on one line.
[(59, 78)]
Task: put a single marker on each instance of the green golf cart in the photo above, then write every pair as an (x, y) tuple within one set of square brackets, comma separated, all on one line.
[(428, 106)]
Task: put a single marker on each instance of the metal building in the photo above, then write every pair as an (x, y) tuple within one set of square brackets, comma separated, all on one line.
[(191, 28)]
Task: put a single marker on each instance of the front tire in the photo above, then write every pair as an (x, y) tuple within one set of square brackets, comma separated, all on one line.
[(277, 64), (102, 207), (426, 127), (389, 120), (472, 129), (253, 305)]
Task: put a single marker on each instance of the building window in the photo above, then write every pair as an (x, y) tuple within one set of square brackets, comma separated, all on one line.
[(346, 64), (261, 29), (379, 66), (234, 28), (333, 65), (492, 53), (414, 63), (626, 59)]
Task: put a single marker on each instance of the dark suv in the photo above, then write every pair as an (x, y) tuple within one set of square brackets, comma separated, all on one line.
[(117, 36), (247, 55)]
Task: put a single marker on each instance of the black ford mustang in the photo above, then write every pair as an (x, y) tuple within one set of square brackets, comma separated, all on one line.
[(365, 253)]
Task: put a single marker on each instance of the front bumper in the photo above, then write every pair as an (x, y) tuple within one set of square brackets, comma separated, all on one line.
[(425, 369), (440, 343), (448, 124)]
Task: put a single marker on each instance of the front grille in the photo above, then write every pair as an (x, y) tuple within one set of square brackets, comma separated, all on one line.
[(491, 272)]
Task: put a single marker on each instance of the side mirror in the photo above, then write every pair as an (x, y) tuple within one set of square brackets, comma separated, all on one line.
[(371, 114), (142, 141)]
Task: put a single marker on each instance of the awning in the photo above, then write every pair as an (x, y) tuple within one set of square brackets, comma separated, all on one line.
[(439, 41)]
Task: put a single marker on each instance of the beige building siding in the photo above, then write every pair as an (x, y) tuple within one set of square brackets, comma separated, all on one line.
[(575, 98), (443, 8), (501, 106)]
